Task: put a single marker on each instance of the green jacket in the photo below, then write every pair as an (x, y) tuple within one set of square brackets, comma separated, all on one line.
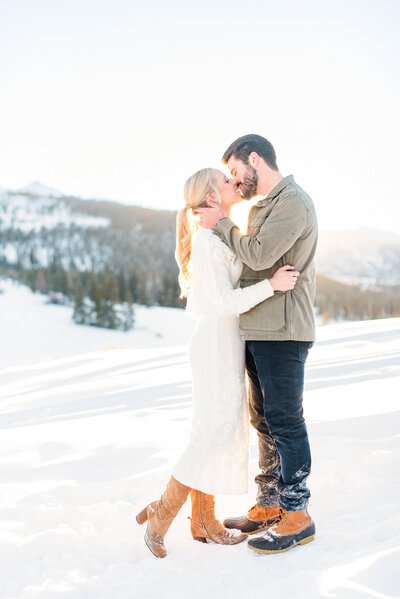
[(282, 229)]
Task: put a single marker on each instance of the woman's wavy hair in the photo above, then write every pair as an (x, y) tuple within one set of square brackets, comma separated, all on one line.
[(195, 192)]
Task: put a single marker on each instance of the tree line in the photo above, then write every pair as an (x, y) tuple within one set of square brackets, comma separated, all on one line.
[(103, 271), (336, 300)]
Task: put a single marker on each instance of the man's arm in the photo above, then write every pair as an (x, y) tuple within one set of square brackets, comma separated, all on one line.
[(278, 234)]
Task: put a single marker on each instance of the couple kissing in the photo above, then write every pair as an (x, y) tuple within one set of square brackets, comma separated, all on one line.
[(252, 297)]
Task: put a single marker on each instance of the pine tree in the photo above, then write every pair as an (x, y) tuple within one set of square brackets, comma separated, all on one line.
[(128, 314), (96, 295), (32, 279), (133, 284), (111, 291), (109, 316), (63, 282), (80, 315), (40, 281), (122, 287), (32, 258)]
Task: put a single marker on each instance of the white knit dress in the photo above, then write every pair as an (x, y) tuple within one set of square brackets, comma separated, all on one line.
[(216, 458)]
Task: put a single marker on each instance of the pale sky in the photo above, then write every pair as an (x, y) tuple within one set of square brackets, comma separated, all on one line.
[(124, 100)]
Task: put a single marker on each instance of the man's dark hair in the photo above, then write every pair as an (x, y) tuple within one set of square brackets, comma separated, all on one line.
[(242, 147)]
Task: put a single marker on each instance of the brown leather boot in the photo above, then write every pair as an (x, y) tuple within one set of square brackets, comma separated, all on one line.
[(289, 530), (204, 524), (160, 514), (256, 519)]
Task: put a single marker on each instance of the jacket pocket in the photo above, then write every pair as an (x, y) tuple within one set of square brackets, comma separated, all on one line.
[(270, 315)]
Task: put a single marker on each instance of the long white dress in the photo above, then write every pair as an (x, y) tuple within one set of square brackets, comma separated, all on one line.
[(216, 458)]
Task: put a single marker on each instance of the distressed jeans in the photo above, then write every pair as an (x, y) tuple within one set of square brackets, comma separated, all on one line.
[(275, 371)]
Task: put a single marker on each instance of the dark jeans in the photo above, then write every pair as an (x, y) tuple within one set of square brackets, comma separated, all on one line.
[(276, 380)]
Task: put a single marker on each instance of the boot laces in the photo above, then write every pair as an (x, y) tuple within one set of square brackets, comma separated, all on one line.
[(274, 519), (279, 518), (283, 515)]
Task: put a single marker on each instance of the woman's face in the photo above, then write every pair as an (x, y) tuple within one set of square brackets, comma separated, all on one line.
[(228, 191)]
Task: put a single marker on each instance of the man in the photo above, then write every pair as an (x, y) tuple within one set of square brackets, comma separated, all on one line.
[(282, 229)]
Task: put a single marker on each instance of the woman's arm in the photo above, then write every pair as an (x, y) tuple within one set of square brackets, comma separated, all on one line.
[(226, 300)]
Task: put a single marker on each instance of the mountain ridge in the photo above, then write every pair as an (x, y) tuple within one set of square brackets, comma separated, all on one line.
[(138, 244)]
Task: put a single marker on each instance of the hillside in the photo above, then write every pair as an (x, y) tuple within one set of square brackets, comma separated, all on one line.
[(55, 243), (338, 300), (365, 257), (63, 236)]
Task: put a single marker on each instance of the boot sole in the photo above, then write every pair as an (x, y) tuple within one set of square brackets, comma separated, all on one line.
[(254, 532), (268, 551), (206, 539)]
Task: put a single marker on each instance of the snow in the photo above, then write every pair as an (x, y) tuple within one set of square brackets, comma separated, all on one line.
[(9, 252), (360, 257), (28, 213), (37, 188), (93, 420)]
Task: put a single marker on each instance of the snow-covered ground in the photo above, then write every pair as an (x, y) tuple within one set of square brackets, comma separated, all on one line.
[(93, 420)]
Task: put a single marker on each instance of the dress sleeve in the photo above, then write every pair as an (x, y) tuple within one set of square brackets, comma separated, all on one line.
[(225, 299)]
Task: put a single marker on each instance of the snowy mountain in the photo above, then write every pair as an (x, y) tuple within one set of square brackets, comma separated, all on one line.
[(366, 257), (38, 189), (42, 224), (40, 227), (68, 234), (31, 213)]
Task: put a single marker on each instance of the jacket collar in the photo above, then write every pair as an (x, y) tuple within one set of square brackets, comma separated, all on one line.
[(289, 180)]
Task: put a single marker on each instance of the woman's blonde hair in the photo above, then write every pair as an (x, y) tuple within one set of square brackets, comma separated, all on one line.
[(195, 192)]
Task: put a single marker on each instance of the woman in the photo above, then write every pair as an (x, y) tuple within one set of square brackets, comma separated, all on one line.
[(216, 458)]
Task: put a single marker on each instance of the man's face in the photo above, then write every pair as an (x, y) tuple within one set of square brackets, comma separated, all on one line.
[(245, 177)]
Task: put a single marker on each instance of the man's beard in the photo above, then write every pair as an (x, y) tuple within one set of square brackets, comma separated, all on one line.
[(249, 183)]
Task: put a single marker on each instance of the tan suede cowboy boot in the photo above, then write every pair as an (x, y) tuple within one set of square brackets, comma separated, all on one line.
[(204, 524), (160, 515)]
